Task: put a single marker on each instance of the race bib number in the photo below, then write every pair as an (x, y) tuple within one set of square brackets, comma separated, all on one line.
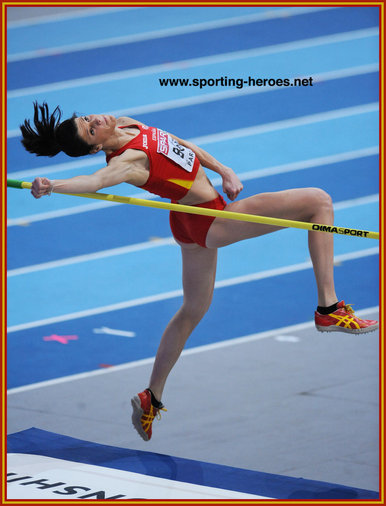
[(169, 147)]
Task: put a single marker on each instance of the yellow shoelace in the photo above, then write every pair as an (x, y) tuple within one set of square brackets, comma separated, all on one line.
[(349, 309), (147, 418), (158, 415)]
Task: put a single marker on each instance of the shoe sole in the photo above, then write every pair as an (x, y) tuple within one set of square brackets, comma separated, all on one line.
[(136, 417), (335, 328)]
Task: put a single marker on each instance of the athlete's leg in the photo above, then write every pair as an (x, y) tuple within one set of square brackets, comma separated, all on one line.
[(301, 204), (199, 271)]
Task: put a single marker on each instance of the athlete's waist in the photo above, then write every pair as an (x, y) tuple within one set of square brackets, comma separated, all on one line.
[(199, 201)]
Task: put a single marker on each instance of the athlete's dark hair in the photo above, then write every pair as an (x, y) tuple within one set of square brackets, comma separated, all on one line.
[(51, 136)]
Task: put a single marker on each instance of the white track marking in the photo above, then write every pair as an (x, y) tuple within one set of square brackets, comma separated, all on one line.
[(123, 250), (178, 293), (156, 34), (114, 332), (192, 62), (191, 351)]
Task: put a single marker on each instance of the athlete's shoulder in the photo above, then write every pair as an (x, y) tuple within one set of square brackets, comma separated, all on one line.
[(126, 121), (127, 155)]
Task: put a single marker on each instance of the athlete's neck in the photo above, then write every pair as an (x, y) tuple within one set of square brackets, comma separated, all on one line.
[(119, 138)]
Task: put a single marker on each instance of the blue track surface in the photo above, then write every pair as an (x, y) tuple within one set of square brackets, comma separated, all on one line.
[(71, 234), (330, 128), (49, 360), (194, 45)]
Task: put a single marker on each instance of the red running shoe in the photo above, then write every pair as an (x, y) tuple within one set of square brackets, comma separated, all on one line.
[(144, 413), (344, 320)]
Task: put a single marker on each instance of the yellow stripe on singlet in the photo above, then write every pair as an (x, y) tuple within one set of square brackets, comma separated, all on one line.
[(181, 182)]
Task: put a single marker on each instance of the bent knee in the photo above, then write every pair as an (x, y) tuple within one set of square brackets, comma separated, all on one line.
[(321, 198), (194, 312)]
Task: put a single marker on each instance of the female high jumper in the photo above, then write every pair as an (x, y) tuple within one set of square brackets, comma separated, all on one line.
[(170, 167)]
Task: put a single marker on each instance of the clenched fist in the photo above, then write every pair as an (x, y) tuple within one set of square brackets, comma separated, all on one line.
[(41, 186)]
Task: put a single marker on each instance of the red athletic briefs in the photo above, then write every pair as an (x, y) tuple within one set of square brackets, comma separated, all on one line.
[(193, 228)]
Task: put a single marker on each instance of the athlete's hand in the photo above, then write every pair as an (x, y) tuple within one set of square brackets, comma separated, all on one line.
[(41, 186), (231, 184)]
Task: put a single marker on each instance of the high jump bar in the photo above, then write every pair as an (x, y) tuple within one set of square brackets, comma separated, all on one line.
[(332, 229)]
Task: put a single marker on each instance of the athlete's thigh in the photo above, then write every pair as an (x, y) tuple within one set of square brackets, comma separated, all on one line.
[(293, 204), (198, 275)]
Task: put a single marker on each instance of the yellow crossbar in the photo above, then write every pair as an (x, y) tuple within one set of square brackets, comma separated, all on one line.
[(216, 213)]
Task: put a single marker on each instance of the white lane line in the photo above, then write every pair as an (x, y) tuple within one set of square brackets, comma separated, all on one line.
[(166, 32), (59, 213), (62, 16), (247, 90), (169, 241), (87, 161), (183, 64), (245, 176), (114, 332), (345, 204), (190, 351), (231, 92), (124, 250), (304, 164), (288, 123), (293, 268), (222, 95), (99, 310), (100, 160), (177, 293)]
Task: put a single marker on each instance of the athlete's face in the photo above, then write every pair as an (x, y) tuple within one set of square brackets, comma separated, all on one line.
[(96, 129)]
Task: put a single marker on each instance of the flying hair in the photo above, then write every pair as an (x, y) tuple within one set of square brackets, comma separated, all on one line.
[(50, 136)]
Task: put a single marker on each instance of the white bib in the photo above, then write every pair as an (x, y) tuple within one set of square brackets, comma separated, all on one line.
[(169, 147)]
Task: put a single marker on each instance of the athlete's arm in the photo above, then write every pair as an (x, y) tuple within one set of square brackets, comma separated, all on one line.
[(232, 185), (118, 171)]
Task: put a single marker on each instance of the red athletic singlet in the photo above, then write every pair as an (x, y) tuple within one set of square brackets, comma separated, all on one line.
[(173, 168)]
